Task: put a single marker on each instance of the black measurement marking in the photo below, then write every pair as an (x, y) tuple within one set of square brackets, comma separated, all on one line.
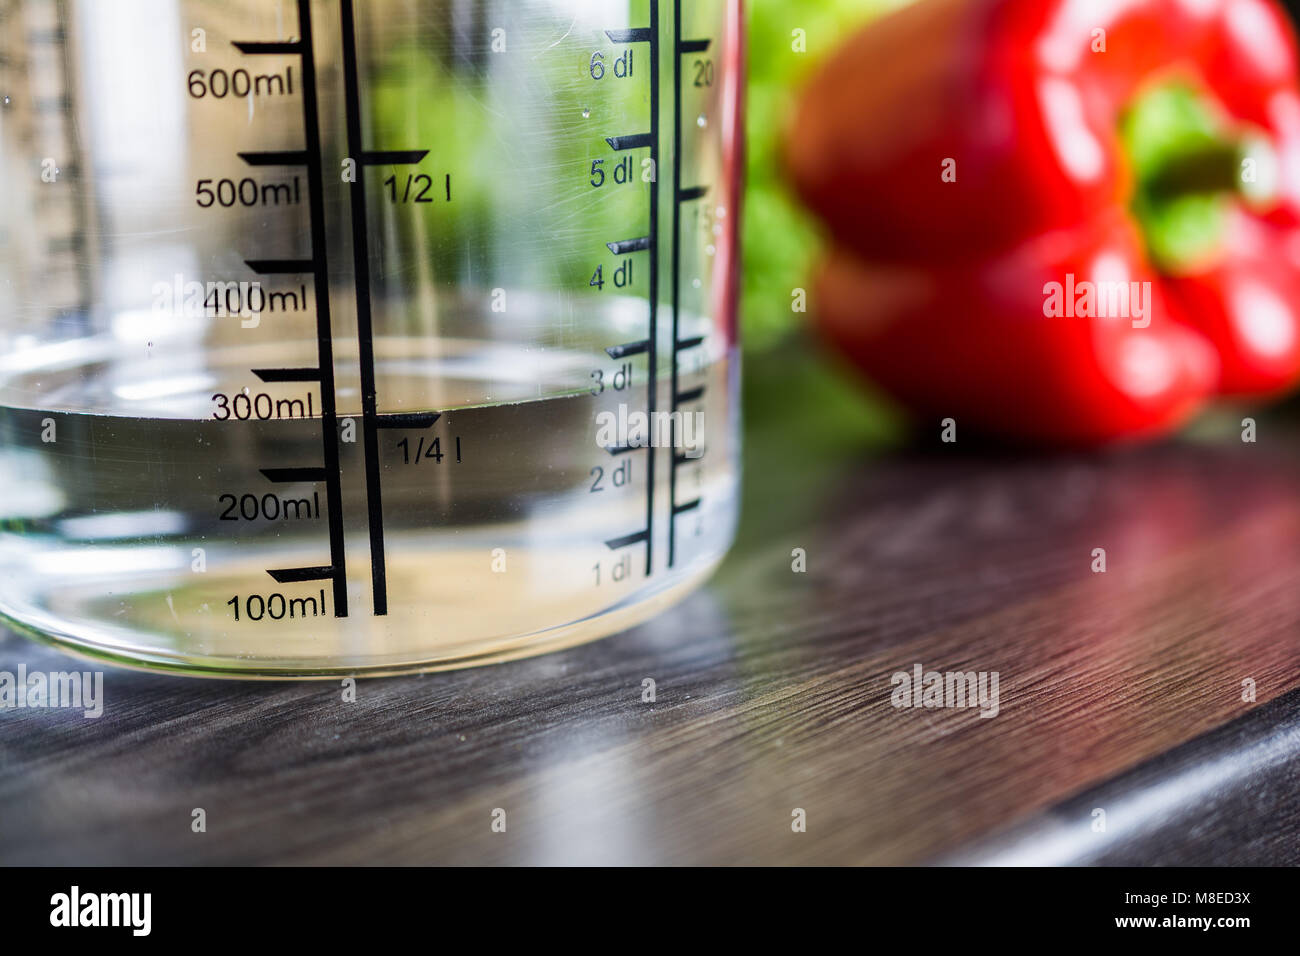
[(637, 537), (282, 46), (632, 348), (319, 268), (401, 157), (295, 575), (409, 420), (286, 475), (291, 375), (292, 157), (280, 267), (365, 325), (636, 141), (624, 246), (649, 243), (635, 35), (653, 362), (680, 195)]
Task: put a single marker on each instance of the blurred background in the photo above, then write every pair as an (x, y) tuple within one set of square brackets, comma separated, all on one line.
[(783, 241)]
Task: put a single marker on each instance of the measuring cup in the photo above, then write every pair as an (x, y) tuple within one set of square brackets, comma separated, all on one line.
[(342, 338)]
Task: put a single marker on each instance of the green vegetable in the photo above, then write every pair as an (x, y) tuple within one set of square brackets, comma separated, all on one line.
[(420, 97), (780, 241)]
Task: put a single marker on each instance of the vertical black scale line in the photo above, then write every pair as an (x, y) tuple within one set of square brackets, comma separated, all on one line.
[(652, 375), (365, 328), (680, 196), (676, 273), (325, 343)]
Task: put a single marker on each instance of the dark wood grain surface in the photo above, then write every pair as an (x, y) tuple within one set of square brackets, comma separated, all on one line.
[(1119, 691)]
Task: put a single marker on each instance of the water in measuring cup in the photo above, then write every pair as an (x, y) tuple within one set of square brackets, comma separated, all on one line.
[(136, 525)]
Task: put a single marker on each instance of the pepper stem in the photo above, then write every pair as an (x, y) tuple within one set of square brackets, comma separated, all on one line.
[(1186, 154), (1212, 167)]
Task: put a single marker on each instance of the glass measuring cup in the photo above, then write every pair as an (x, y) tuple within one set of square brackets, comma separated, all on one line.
[(363, 337)]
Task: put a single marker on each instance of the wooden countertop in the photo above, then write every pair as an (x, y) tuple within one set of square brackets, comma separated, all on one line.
[(1119, 691)]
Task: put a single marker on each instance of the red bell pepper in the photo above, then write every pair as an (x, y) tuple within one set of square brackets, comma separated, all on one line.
[(994, 172)]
